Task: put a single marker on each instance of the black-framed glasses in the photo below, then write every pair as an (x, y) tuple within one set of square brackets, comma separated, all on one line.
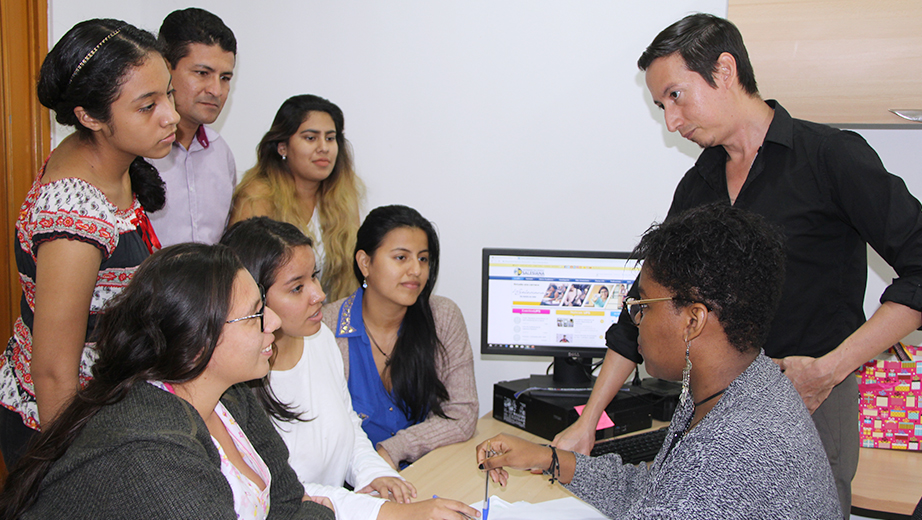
[(635, 308), (260, 314)]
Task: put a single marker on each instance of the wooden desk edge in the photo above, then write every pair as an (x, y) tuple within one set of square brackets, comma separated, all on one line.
[(451, 471), (887, 480)]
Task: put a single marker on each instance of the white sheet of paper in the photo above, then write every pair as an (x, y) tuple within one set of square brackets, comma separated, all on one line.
[(570, 508)]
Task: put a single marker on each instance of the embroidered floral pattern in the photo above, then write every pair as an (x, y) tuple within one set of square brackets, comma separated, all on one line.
[(71, 209), (345, 319)]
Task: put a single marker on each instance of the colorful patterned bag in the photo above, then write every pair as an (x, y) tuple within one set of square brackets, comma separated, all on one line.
[(891, 401)]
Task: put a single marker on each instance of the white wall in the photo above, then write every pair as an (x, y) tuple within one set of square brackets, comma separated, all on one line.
[(481, 114)]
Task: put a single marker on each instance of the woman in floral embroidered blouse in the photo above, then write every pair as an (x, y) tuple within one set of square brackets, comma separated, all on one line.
[(82, 229)]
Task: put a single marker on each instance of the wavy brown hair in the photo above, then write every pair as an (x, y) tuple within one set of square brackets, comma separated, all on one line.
[(271, 182)]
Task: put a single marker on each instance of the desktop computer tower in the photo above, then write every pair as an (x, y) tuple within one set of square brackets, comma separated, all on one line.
[(665, 395), (546, 412)]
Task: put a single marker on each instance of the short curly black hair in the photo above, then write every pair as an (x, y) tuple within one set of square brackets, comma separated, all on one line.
[(729, 259)]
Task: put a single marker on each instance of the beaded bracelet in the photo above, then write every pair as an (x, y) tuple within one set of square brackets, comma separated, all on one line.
[(554, 469)]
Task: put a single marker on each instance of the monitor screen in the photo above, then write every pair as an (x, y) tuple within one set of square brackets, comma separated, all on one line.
[(552, 303)]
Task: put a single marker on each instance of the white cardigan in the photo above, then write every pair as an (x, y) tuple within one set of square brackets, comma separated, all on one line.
[(331, 448)]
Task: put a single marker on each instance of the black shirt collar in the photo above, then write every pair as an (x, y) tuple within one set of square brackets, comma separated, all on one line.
[(712, 161), (781, 130)]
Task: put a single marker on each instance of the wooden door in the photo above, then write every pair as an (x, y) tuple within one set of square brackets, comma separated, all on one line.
[(25, 134)]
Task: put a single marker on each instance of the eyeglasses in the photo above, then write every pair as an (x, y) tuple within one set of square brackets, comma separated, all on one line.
[(260, 314), (636, 307)]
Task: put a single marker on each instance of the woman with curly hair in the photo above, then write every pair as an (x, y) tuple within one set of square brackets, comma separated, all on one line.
[(741, 443)]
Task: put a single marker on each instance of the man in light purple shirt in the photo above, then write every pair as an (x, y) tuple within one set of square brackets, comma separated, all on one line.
[(200, 173)]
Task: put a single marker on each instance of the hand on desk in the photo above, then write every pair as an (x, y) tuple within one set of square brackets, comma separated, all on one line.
[(434, 509), (402, 491), (518, 453), (811, 381)]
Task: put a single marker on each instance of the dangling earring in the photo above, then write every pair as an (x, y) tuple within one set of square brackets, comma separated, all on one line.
[(365, 284), (686, 394), (284, 157)]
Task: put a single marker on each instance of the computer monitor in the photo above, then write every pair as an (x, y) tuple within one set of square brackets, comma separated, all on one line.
[(553, 303)]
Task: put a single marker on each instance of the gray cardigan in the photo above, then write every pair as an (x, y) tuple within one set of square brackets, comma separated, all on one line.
[(150, 456), (756, 454)]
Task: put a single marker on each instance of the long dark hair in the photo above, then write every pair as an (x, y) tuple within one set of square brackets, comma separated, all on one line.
[(164, 326), (293, 112), (414, 378), (87, 68), (265, 246), (337, 199)]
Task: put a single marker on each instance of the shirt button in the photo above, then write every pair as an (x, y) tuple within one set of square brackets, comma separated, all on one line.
[(391, 409)]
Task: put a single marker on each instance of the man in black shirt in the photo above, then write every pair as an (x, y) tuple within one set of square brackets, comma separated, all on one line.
[(826, 189)]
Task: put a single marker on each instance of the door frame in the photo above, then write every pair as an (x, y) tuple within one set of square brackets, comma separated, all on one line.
[(25, 134)]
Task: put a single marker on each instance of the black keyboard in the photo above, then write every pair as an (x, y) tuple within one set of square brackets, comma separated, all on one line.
[(635, 448)]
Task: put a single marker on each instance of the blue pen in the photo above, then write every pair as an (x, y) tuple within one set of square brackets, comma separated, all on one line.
[(486, 499), (486, 493)]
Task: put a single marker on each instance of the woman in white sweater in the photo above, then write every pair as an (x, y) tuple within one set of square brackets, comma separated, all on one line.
[(306, 393)]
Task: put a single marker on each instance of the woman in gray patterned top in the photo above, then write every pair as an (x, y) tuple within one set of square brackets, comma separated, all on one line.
[(741, 443)]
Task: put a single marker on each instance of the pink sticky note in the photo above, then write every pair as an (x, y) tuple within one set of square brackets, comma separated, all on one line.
[(604, 421)]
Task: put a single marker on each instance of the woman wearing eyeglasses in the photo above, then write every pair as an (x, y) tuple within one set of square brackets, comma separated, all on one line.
[(306, 394), (741, 443), (164, 429), (601, 298)]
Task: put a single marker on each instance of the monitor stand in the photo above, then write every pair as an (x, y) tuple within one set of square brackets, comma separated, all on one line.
[(569, 372)]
